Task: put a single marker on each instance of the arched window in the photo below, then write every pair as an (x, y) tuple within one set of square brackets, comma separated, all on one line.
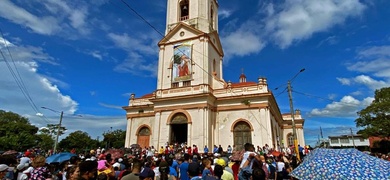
[(214, 67), (290, 139), (184, 10)]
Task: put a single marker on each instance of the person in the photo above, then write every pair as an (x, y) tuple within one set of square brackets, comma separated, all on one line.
[(229, 150), (206, 150), (164, 170), (3, 170), (258, 174), (183, 67), (20, 170), (193, 171), (183, 168), (226, 175), (207, 168), (40, 171), (73, 173), (134, 175), (88, 170), (279, 169)]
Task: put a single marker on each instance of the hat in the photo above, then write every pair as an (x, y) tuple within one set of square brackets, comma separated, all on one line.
[(146, 172), (3, 167), (120, 160), (22, 166), (221, 162), (217, 154)]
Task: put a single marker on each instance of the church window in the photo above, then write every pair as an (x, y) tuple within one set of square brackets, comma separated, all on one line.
[(175, 85), (214, 68), (141, 111), (186, 83), (212, 17), (334, 141), (290, 139), (184, 10)]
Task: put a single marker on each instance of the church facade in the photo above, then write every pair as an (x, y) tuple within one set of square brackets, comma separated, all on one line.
[(192, 102)]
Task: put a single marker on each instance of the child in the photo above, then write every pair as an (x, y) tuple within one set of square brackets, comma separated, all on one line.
[(207, 166)]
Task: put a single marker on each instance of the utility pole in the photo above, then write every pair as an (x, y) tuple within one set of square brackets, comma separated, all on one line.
[(293, 120), (58, 133), (353, 141)]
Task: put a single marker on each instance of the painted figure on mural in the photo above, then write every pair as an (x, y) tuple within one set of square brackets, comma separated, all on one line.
[(183, 66)]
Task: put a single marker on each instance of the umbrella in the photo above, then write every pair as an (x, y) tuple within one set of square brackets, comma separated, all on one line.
[(59, 158), (341, 164), (10, 152)]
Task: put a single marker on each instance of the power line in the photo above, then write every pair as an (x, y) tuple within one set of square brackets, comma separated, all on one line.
[(18, 79), (327, 99)]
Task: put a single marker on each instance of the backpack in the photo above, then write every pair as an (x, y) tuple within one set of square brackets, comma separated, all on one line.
[(272, 171)]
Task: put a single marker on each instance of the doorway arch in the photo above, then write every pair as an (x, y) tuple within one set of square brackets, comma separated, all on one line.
[(178, 128), (242, 133), (143, 136)]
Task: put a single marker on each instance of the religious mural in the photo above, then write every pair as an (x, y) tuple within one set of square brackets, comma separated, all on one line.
[(182, 66)]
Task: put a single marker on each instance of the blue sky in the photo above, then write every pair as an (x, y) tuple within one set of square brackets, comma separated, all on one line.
[(87, 57)]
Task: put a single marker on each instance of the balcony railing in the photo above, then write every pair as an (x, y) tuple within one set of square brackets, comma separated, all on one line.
[(183, 18)]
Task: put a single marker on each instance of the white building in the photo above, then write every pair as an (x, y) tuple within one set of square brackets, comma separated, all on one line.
[(348, 141), (192, 102)]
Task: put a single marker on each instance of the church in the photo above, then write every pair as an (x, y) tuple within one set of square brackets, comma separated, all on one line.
[(193, 103)]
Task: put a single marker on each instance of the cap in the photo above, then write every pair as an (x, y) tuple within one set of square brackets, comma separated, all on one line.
[(21, 166), (221, 162), (146, 172), (120, 160), (217, 154), (3, 167)]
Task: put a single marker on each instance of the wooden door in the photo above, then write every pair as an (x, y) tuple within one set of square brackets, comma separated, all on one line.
[(143, 137), (242, 134)]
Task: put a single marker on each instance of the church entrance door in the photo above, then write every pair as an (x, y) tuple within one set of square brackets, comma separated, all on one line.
[(143, 137), (179, 129), (242, 134)]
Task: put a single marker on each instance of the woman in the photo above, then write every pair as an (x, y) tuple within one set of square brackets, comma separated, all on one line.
[(40, 172), (73, 173)]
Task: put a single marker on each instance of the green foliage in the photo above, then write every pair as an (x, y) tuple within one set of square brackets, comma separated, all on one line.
[(16, 132), (375, 118), (115, 138), (44, 141), (79, 140), (51, 130)]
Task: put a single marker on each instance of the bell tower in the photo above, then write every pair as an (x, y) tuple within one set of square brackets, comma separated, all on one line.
[(191, 52)]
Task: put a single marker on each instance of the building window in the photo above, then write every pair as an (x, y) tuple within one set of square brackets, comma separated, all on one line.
[(175, 85), (141, 111), (290, 139), (186, 83), (184, 9), (334, 141), (361, 140), (344, 140)]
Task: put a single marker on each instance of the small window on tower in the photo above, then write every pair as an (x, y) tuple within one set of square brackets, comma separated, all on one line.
[(184, 10), (187, 83), (175, 85)]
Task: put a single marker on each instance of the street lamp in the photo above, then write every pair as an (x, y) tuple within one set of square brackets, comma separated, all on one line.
[(292, 114)]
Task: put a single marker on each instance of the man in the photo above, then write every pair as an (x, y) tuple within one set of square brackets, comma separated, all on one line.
[(194, 171), (3, 171), (88, 170), (134, 175), (226, 175), (206, 149), (146, 174), (183, 168)]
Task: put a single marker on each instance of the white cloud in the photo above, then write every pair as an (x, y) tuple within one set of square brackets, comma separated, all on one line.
[(40, 24), (136, 65), (364, 80), (375, 60), (346, 107), (241, 43), (134, 44), (344, 81), (224, 13), (297, 20)]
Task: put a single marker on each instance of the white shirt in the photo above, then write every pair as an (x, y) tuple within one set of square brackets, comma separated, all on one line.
[(246, 155)]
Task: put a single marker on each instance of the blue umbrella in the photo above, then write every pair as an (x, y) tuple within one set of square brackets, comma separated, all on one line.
[(341, 164), (59, 158)]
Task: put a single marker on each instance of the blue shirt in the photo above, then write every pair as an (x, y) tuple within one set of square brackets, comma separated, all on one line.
[(183, 171), (172, 171), (206, 150)]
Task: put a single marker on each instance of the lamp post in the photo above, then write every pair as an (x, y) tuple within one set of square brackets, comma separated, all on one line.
[(292, 114)]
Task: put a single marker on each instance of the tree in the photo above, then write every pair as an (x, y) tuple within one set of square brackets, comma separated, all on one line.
[(51, 130), (44, 141), (16, 132), (375, 118), (115, 138), (79, 140)]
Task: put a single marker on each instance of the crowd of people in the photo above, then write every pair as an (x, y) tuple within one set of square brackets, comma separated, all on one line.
[(172, 161)]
